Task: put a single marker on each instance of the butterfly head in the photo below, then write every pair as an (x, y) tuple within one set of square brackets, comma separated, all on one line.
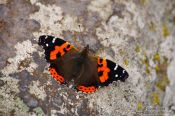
[(42, 40)]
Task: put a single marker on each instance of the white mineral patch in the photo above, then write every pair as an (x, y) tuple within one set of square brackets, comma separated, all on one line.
[(33, 1), (52, 20), (123, 25), (54, 112), (49, 17), (169, 99), (38, 90), (171, 74), (167, 45), (7, 100), (70, 23), (12, 85), (102, 7), (3, 1), (23, 51), (32, 67), (116, 103), (113, 36)]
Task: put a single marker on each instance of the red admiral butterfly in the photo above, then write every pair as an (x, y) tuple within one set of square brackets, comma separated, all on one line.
[(68, 63)]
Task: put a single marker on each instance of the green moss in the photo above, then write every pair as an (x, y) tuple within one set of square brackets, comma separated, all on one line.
[(147, 71), (142, 2), (140, 106), (165, 30), (20, 105), (126, 62), (145, 61), (155, 99), (137, 49), (121, 52), (157, 68), (156, 57), (152, 27), (162, 83), (39, 111), (162, 80), (24, 63), (162, 114)]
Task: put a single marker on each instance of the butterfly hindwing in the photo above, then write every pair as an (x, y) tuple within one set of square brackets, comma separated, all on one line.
[(54, 72), (87, 89)]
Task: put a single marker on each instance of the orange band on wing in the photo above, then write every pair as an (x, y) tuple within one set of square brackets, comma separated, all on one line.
[(56, 76), (60, 49), (103, 69), (89, 89)]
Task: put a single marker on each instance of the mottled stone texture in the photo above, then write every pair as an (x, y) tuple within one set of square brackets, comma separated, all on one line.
[(137, 34)]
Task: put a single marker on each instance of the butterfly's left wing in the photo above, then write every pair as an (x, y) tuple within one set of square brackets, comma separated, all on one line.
[(54, 50), (54, 47)]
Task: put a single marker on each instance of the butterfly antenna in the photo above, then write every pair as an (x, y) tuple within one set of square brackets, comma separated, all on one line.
[(79, 45), (80, 31)]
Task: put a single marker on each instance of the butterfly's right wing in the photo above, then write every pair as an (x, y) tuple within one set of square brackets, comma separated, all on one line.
[(109, 71)]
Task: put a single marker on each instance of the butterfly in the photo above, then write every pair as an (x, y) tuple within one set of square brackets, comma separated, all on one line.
[(88, 72)]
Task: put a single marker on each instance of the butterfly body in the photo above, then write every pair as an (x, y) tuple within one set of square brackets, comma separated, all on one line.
[(88, 72)]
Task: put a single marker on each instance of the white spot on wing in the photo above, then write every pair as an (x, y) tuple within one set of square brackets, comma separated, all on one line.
[(116, 67), (47, 45), (116, 75), (123, 71), (53, 41), (46, 37)]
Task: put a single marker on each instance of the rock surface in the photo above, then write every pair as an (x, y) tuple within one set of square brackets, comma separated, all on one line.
[(137, 34)]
